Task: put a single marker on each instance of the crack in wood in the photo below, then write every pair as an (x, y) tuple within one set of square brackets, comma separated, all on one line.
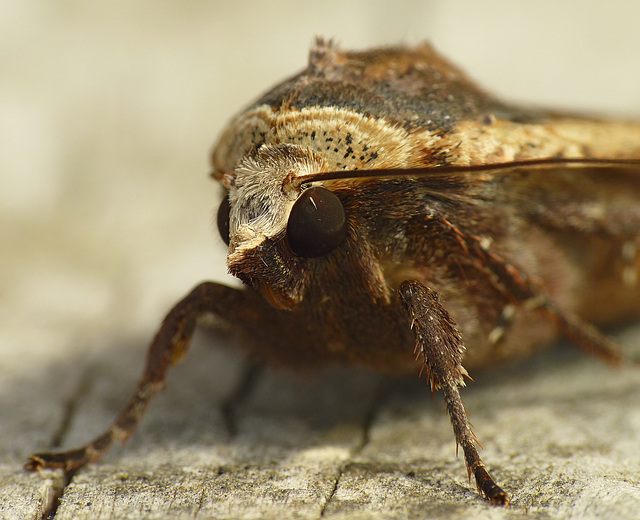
[(367, 425), (53, 493), (200, 502), (333, 491)]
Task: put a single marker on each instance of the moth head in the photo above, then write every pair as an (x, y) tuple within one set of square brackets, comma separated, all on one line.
[(273, 222)]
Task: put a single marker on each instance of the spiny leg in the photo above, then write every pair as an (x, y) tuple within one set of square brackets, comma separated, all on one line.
[(441, 345), (167, 348), (523, 290)]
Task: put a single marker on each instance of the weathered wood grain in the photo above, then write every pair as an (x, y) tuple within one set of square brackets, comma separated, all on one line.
[(560, 433)]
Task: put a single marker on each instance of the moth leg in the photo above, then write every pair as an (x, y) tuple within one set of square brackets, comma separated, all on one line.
[(503, 325), (508, 315), (441, 346), (167, 348), (526, 291), (523, 290), (519, 287)]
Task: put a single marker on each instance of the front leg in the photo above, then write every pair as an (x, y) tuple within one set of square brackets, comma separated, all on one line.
[(167, 348), (441, 346)]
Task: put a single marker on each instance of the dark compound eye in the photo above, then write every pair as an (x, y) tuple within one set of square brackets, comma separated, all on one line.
[(223, 219), (317, 223)]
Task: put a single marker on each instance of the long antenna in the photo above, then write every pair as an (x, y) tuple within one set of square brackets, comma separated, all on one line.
[(448, 170)]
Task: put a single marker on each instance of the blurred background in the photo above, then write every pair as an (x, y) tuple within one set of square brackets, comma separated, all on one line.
[(108, 111)]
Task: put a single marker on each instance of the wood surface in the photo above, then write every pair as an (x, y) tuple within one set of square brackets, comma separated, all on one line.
[(225, 441)]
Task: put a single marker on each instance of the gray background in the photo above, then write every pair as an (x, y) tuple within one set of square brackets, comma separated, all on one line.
[(107, 114)]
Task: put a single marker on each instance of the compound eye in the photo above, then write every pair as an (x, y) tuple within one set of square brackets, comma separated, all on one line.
[(317, 223), (223, 219)]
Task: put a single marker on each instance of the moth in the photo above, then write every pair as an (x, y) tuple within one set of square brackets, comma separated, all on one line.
[(382, 210)]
